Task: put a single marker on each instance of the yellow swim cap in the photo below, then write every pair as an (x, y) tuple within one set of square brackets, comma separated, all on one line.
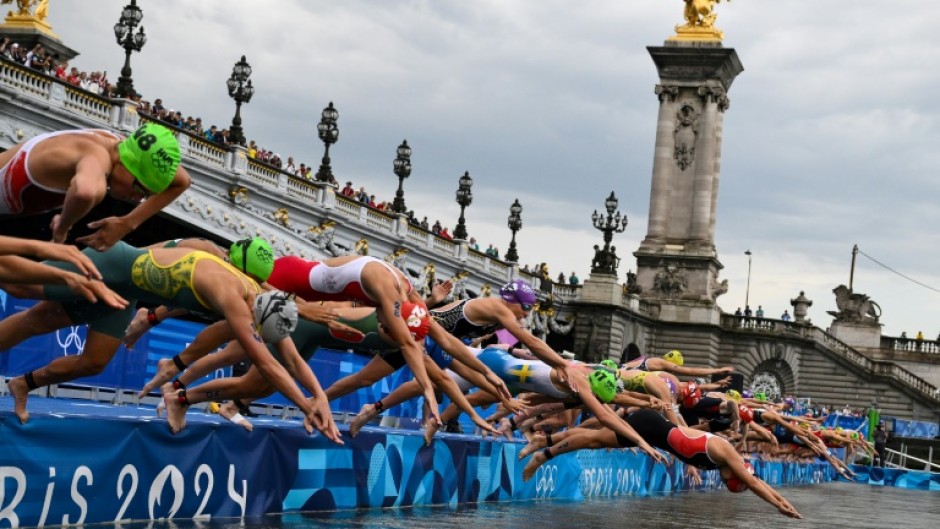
[(674, 356)]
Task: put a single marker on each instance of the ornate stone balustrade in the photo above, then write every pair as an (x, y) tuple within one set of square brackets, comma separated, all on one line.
[(930, 347)]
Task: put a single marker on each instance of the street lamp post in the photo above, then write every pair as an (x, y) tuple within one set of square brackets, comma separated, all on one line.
[(402, 168), (464, 198), (515, 224), (747, 292), (240, 89), (606, 260), (131, 16), (329, 133)]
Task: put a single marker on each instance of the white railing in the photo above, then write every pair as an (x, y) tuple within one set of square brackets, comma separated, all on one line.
[(477, 259), (445, 247), (263, 174), (91, 105), (302, 189), (500, 269), (377, 220), (208, 152), (418, 236), (903, 456), (23, 79), (348, 207)]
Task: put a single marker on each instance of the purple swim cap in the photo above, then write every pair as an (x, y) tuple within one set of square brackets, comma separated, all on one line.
[(518, 291), (748, 394)]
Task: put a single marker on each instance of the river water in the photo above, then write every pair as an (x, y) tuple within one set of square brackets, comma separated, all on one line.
[(832, 505)]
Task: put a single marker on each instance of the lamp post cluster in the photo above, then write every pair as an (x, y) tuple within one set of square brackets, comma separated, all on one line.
[(402, 168), (606, 260), (329, 133), (131, 41), (240, 89), (515, 224), (464, 198)]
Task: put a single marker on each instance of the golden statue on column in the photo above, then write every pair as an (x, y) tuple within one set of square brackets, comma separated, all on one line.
[(699, 22), (29, 14)]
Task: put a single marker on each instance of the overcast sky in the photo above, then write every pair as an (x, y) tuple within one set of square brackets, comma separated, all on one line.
[(831, 138)]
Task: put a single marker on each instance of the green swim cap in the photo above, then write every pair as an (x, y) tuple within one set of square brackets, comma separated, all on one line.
[(603, 384), (253, 256), (761, 396), (609, 364), (152, 155)]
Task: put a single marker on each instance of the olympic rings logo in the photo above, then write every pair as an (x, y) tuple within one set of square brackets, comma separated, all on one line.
[(545, 484), (71, 339)]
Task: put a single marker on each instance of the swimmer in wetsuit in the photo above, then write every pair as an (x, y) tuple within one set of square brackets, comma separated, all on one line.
[(462, 319), (193, 280), (75, 169), (693, 447), (308, 337)]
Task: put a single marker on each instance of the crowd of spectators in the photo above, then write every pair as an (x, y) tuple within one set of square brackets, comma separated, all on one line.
[(52, 65)]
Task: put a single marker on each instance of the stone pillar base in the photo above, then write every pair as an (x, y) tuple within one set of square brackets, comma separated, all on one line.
[(682, 311), (858, 335), (602, 288)]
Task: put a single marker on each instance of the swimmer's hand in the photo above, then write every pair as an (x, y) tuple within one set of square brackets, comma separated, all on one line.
[(64, 252), (320, 416), (564, 378), (110, 231), (328, 316), (657, 456), (94, 291)]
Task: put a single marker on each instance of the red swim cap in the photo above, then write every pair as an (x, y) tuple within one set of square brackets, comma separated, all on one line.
[(690, 394), (747, 414), (417, 318), (736, 485)]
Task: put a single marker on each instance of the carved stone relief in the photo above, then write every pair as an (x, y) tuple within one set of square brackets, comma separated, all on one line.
[(685, 135)]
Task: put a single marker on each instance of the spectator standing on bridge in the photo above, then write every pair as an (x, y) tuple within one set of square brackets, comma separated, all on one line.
[(760, 312), (738, 312), (573, 279), (747, 311), (881, 442), (919, 339), (785, 316), (75, 169)]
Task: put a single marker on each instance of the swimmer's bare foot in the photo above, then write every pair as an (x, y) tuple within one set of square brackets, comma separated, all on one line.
[(536, 443), (175, 411), (20, 392), (137, 328), (430, 430), (538, 459), (366, 414), (166, 370), (230, 411), (161, 408)]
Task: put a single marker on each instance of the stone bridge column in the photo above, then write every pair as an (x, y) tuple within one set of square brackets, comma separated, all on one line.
[(677, 264)]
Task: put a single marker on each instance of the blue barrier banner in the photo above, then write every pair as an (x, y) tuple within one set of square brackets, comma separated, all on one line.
[(82, 462), (926, 430), (72, 471), (897, 477)]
